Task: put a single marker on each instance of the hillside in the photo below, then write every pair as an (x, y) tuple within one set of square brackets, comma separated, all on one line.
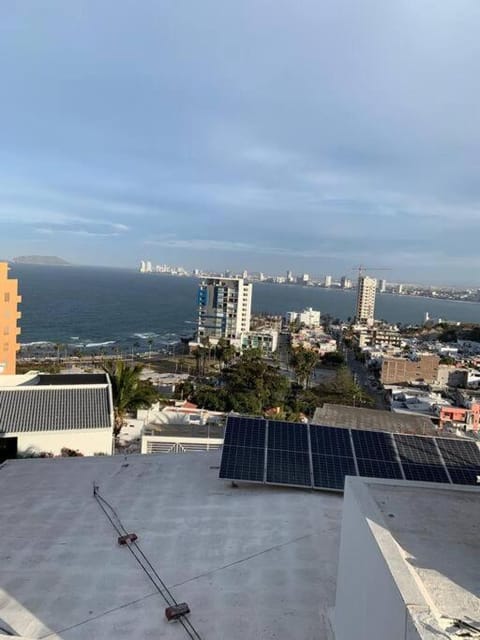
[(41, 260)]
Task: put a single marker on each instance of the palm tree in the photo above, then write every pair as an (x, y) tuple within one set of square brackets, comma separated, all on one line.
[(150, 343), (129, 391)]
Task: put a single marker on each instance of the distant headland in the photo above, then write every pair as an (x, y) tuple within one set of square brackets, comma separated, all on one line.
[(41, 260)]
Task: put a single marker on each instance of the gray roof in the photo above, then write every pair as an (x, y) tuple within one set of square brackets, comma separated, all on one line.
[(337, 415), (52, 408)]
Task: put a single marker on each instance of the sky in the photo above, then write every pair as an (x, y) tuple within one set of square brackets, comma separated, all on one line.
[(264, 135)]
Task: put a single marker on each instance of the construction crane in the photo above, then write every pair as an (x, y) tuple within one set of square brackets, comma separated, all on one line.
[(362, 268)]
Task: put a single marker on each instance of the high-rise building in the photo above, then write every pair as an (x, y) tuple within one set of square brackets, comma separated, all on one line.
[(148, 267), (345, 282), (289, 276), (400, 288), (382, 285), (9, 314), (366, 299), (224, 308), (328, 281)]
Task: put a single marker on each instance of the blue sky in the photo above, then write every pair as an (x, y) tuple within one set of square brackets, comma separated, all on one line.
[(258, 134)]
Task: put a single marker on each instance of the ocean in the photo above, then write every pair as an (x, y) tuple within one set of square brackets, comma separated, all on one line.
[(97, 308)]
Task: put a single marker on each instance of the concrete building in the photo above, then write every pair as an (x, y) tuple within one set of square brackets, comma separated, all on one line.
[(9, 314), (303, 279), (46, 413), (382, 285), (390, 560), (365, 310), (328, 281), (308, 317), (264, 339), (289, 277), (378, 337), (224, 308), (251, 562), (345, 282), (400, 288), (460, 418), (421, 368)]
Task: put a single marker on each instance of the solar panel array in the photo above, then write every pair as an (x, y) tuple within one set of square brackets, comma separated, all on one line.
[(318, 457)]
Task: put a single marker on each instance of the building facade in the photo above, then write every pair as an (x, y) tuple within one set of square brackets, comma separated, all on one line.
[(266, 340), (9, 314), (366, 290), (224, 308)]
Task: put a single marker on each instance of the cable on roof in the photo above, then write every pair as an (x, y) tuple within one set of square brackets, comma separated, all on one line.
[(143, 561)]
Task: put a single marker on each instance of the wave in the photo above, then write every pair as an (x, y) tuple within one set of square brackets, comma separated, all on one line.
[(40, 343), (146, 336), (99, 344), (74, 338)]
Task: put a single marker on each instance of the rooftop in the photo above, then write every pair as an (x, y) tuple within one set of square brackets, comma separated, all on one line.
[(334, 415), (54, 408), (251, 562), (427, 535)]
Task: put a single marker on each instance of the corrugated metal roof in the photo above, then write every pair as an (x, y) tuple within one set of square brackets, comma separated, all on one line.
[(54, 408)]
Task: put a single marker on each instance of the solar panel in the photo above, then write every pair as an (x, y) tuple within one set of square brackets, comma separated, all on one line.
[(462, 459), (331, 441), (288, 460), (417, 450), (459, 453), (242, 463), (243, 456), (376, 455), (425, 472), (329, 471), (289, 436), (315, 456), (420, 458), (245, 432)]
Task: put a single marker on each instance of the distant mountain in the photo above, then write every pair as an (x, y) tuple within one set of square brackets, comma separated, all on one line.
[(44, 260)]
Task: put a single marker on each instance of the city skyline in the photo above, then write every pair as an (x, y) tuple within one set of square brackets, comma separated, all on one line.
[(349, 132)]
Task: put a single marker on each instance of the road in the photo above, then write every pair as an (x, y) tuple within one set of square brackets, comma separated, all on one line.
[(360, 373)]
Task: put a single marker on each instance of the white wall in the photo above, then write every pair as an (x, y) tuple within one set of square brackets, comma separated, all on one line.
[(86, 441), (369, 604)]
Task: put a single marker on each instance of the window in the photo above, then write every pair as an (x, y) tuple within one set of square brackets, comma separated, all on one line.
[(5, 346), (6, 330), (6, 297)]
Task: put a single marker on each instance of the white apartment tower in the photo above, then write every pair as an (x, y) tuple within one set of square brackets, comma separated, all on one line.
[(328, 281), (382, 286), (366, 300), (224, 308)]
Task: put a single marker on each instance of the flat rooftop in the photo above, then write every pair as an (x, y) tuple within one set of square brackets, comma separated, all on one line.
[(437, 530), (336, 415), (428, 536), (252, 562)]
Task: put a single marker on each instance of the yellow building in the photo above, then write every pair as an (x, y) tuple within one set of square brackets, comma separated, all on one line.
[(9, 314)]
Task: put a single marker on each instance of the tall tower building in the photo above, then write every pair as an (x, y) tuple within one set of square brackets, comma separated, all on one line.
[(366, 299), (328, 281), (9, 314), (224, 308), (382, 286)]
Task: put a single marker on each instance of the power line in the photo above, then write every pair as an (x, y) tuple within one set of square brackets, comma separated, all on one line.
[(144, 562)]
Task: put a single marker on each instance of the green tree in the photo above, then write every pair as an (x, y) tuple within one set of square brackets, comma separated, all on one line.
[(333, 359), (252, 386), (129, 391), (343, 390), (303, 362)]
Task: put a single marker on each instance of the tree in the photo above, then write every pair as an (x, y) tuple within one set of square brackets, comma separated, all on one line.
[(129, 391), (334, 359), (303, 362), (343, 390)]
